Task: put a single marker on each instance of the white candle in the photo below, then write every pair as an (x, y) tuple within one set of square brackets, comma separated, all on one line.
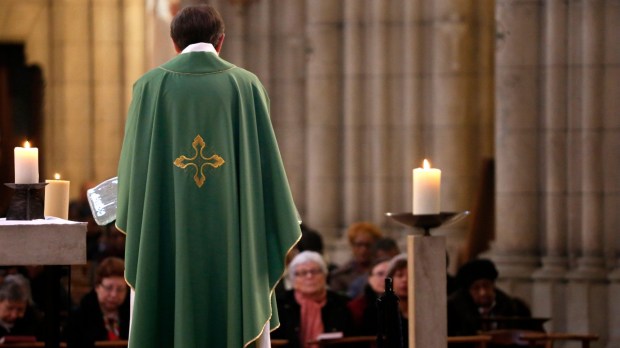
[(26, 164), (57, 198), (426, 189)]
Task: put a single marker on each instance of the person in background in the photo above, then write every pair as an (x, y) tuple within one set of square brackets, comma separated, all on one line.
[(385, 247), (103, 314), (397, 270), (362, 236), (310, 308), (478, 298), (364, 307), (14, 303)]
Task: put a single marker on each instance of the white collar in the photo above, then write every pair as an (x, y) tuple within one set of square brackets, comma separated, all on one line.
[(200, 47)]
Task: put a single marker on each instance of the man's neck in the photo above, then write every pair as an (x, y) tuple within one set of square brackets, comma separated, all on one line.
[(200, 47)]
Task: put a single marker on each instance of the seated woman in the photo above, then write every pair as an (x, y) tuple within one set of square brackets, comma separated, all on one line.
[(364, 307), (310, 308), (103, 314), (397, 270), (16, 316)]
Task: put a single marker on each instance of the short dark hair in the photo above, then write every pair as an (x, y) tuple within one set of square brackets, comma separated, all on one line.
[(474, 270), (197, 23)]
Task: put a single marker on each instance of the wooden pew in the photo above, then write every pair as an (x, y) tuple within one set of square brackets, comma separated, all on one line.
[(549, 338)]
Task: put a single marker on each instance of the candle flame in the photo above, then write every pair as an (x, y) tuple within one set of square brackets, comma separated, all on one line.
[(27, 144), (57, 176), (426, 164)]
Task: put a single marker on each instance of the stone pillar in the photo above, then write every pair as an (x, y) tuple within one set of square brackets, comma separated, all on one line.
[(109, 108), (614, 308), (287, 93), (258, 38), (549, 280), (412, 116), (453, 120), (376, 99), (590, 69), (72, 83), (587, 291), (323, 115), (355, 140), (134, 46), (517, 144)]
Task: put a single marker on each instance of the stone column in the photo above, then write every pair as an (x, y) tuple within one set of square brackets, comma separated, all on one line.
[(355, 196), (134, 46), (549, 280), (323, 115), (517, 143), (376, 98), (587, 291), (288, 108), (109, 108), (614, 308), (412, 115), (72, 78)]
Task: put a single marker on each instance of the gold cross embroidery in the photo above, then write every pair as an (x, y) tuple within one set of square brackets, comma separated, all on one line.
[(199, 163)]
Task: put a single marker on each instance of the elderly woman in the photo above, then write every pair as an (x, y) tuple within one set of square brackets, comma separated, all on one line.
[(14, 303), (310, 308), (103, 314)]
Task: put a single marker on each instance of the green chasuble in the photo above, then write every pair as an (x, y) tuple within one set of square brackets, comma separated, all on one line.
[(204, 201)]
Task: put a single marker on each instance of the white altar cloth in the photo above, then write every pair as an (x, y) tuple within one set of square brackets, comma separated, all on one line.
[(52, 241)]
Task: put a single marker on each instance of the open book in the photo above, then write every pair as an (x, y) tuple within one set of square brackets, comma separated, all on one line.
[(329, 336)]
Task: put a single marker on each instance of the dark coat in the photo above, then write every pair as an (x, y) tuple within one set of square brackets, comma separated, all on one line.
[(335, 315), (86, 324), (26, 326), (464, 319)]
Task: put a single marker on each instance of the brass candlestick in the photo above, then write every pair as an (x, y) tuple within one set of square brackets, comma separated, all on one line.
[(426, 222)]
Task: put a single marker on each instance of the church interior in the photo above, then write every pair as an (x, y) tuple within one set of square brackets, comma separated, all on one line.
[(516, 101)]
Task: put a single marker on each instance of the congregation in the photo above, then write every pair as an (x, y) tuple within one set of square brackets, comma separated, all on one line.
[(314, 297)]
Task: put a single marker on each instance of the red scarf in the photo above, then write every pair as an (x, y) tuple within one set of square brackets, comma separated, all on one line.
[(311, 321)]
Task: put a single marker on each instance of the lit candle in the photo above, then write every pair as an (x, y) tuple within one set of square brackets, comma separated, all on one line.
[(426, 188), (26, 164), (57, 198)]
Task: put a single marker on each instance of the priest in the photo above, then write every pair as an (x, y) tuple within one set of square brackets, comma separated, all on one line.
[(202, 197)]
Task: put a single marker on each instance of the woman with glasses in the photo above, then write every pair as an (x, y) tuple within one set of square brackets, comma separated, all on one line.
[(103, 314), (310, 309)]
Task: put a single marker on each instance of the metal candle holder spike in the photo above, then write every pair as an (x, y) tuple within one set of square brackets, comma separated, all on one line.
[(27, 202), (426, 222)]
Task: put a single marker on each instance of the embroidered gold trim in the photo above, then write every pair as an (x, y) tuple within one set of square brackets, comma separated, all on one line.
[(214, 161)]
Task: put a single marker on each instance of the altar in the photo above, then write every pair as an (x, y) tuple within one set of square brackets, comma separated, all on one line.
[(51, 242)]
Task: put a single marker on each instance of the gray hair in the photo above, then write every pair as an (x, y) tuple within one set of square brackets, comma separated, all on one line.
[(12, 291), (303, 257)]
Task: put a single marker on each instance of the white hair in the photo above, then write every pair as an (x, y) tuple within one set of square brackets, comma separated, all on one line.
[(303, 257)]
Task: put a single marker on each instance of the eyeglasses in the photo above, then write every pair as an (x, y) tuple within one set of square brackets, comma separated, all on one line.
[(362, 245), (311, 272), (381, 274), (109, 288)]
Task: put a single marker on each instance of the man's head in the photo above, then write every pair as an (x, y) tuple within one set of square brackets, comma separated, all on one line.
[(199, 23), (478, 277), (13, 302)]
